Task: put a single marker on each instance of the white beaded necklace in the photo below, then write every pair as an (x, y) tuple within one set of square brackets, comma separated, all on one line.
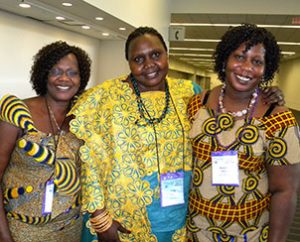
[(240, 113)]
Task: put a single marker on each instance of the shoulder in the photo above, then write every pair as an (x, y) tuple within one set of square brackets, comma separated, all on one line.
[(14, 111), (181, 87), (98, 95)]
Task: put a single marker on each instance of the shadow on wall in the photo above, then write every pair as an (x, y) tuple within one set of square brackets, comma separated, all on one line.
[(297, 115)]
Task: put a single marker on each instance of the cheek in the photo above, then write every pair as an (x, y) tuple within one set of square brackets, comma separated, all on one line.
[(135, 69)]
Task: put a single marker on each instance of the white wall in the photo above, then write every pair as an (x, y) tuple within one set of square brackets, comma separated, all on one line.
[(112, 61), (20, 40), (289, 81), (154, 13), (236, 6)]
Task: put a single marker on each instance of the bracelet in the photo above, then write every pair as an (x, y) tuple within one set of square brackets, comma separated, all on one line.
[(101, 222)]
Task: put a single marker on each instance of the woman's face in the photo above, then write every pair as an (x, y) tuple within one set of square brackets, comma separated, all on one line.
[(148, 62), (64, 79), (245, 70)]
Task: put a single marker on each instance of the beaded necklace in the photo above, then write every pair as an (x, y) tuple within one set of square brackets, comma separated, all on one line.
[(142, 108), (240, 113)]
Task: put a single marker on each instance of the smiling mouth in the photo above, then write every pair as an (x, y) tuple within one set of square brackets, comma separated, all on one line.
[(243, 79), (151, 75), (63, 88)]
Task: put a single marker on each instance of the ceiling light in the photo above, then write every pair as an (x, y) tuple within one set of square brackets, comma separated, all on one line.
[(288, 43), (24, 5), (105, 34), (288, 52), (234, 25), (191, 49), (183, 54), (85, 27), (60, 18), (202, 40), (99, 18), (122, 28), (67, 4)]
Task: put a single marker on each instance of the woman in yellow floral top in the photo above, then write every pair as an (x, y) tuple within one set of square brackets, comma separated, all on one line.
[(137, 157)]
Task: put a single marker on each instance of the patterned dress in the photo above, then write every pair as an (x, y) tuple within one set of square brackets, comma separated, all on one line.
[(121, 152), (35, 161), (237, 213)]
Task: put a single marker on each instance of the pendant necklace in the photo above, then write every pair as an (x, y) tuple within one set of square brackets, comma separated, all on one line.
[(52, 120)]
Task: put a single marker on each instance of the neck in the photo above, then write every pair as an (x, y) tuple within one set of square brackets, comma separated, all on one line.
[(60, 107), (240, 104)]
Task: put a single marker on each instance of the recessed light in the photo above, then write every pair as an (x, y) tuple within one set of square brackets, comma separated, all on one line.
[(99, 18), (67, 4), (105, 34), (24, 5), (122, 28), (60, 18), (85, 27)]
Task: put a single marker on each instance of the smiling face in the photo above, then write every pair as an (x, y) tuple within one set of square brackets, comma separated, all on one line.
[(245, 69), (148, 62), (64, 79)]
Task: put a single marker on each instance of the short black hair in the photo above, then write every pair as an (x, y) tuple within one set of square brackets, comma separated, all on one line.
[(50, 55), (251, 35), (140, 31)]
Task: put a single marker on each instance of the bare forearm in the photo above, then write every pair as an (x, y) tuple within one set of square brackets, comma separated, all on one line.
[(283, 205), (4, 229)]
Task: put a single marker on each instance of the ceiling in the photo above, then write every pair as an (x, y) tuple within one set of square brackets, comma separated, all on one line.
[(76, 16), (210, 27), (193, 43)]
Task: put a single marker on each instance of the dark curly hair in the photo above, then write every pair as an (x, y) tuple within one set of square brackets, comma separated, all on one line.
[(251, 35), (48, 56), (140, 32)]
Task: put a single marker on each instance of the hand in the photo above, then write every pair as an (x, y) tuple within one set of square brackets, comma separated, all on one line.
[(111, 235), (273, 95)]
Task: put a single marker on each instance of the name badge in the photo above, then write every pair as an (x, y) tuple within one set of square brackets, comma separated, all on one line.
[(225, 168), (172, 189), (48, 198)]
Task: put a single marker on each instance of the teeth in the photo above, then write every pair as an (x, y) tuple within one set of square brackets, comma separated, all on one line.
[(242, 78), (151, 75), (63, 87)]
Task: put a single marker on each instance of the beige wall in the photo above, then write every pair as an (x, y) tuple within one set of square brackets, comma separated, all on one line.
[(289, 81), (236, 6), (20, 39), (153, 13)]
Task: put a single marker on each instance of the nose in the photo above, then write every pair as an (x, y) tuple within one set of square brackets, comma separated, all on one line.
[(247, 65), (148, 62), (64, 75)]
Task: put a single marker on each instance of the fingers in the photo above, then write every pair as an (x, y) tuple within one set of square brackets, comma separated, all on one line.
[(122, 229), (273, 95)]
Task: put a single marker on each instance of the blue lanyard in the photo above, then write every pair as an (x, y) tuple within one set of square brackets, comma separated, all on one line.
[(232, 238)]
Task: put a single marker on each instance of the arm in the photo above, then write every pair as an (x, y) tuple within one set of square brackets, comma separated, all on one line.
[(283, 185), (111, 234), (8, 137)]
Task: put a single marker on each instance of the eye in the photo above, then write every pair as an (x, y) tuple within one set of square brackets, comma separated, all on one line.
[(258, 62), (54, 72), (239, 57), (139, 59), (155, 55), (72, 73)]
